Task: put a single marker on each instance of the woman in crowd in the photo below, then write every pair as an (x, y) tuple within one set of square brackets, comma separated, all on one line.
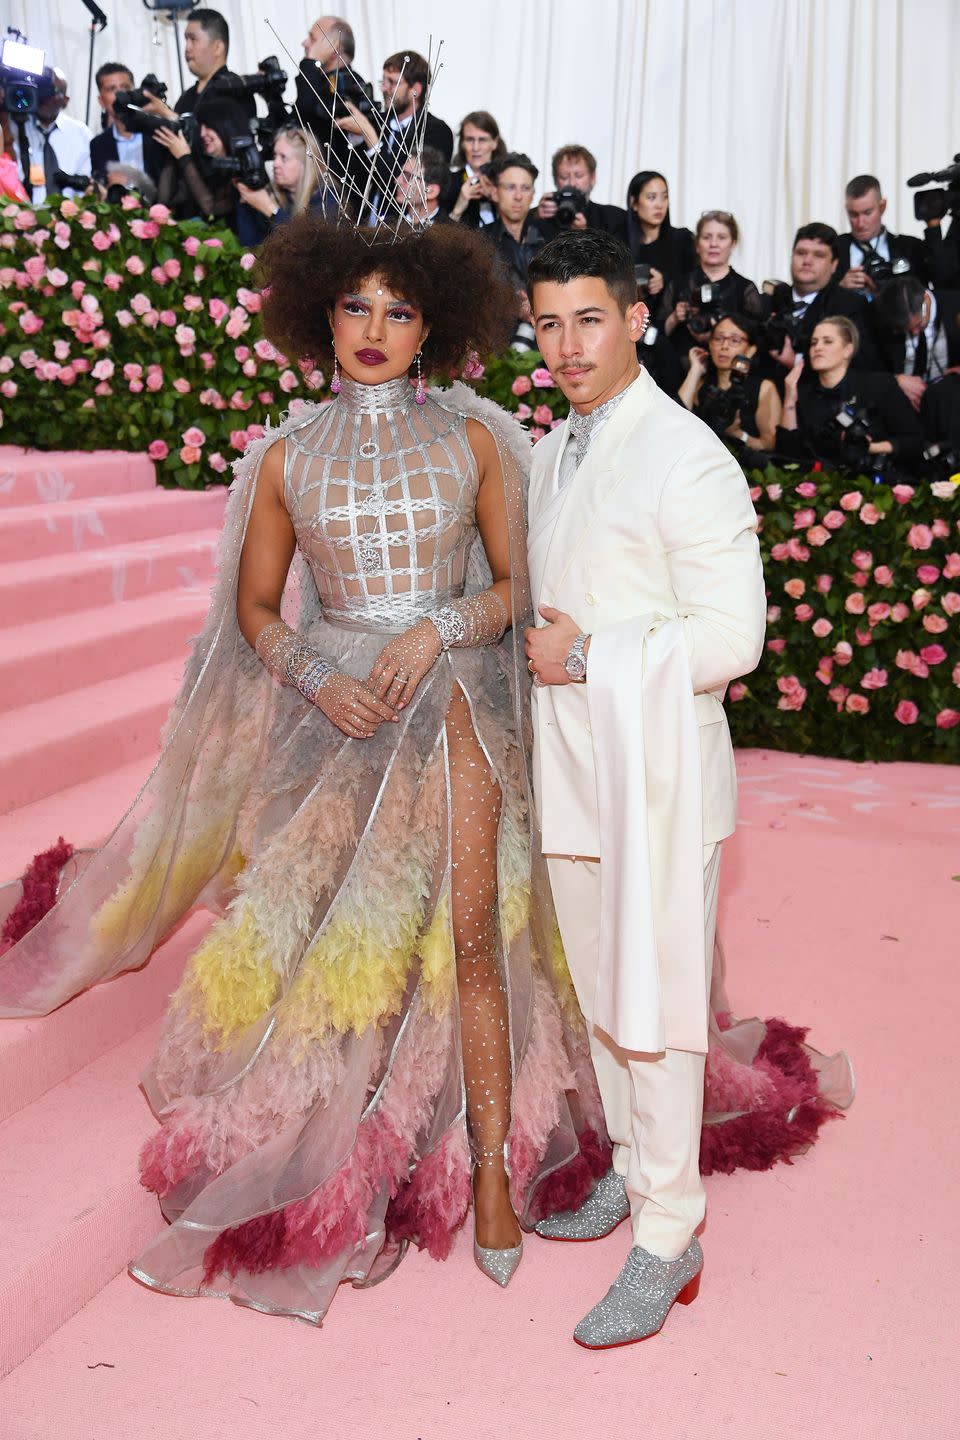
[(473, 193), (705, 390), (809, 427), (380, 1019), (298, 182), (190, 186), (11, 186), (654, 241), (687, 300)]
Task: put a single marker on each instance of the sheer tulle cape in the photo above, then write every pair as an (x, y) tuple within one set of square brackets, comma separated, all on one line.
[(308, 1082)]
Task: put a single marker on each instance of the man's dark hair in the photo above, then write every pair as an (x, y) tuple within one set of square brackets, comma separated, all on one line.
[(572, 152), (433, 167), (817, 230), (899, 301), (593, 253), (213, 24), (861, 185), (113, 67), (415, 69), (514, 159)]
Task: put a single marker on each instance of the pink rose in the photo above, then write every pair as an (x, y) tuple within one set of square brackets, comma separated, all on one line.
[(843, 652), (238, 323), (256, 432), (755, 492), (36, 268), (907, 660), (218, 310), (933, 654), (858, 704), (851, 501), (792, 693), (804, 613), (862, 559), (266, 397), (134, 265), (103, 388), (9, 389), (821, 628), (140, 303), (47, 370), (951, 602), (249, 299), (158, 275), (834, 519), (899, 612), (250, 368), (919, 537), (192, 303), (30, 324), (825, 670), (903, 494), (736, 691), (288, 382), (774, 491), (855, 603), (189, 454), (77, 288), (28, 359), (152, 319), (154, 382), (473, 369), (522, 385), (777, 645), (773, 614), (103, 370), (144, 229), (70, 209), (100, 241), (237, 401), (906, 712), (824, 584), (883, 575), (217, 462), (214, 244), (181, 385), (199, 273), (124, 319), (795, 588), (951, 566), (112, 280), (24, 219), (807, 489), (797, 551), (928, 574), (878, 611), (920, 598), (194, 436), (160, 213), (869, 514), (817, 535), (940, 529), (838, 694), (803, 518), (946, 719), (247, 261), (264, 350), (542, 415), (158, 449), (168, 318), (874, 679), (238, 439), (185, 336), (172, 269), (542, 378), (779, 551)]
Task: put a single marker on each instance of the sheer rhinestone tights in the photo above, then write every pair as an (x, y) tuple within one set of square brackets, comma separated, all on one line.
[(475, 804)]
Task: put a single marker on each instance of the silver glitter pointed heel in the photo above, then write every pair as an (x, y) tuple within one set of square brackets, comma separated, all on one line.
[(603, 1210), (641, 1297), (498, 1265)]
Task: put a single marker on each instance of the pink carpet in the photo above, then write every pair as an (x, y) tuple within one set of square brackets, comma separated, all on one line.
[(827, 1304)]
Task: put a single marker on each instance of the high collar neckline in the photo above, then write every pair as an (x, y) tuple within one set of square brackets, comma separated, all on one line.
[(372, 399)]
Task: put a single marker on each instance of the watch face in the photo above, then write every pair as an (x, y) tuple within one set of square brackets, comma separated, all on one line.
[(575, 666)]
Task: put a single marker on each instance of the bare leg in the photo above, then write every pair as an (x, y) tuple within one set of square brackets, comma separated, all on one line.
[(476, 802)]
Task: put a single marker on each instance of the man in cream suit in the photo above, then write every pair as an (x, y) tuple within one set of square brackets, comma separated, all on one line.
[(646, 575)]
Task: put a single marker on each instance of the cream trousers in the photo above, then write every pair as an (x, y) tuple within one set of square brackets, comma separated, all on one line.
[(653, 1103)]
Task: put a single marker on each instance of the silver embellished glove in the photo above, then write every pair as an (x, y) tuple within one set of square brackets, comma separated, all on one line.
[(477, 620), (346, 702)]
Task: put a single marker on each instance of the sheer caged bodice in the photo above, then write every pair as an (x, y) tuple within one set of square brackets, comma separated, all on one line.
[(382, 493)]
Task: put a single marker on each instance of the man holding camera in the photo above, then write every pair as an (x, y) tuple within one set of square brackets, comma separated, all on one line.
[(206, 44), (419, 187), (116, 144), (570, 207), (50, 140), (869, 254), (920, 339), (813, 292)]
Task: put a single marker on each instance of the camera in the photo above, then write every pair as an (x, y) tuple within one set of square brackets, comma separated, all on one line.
[(779, 327), (935, 204), (348, 87), (704, 311), (244, 162), (852, 425), (719, 407), (879, 270), (269, 80), (944, 459), (151, 89), (127, 105), (570, 203), (21, 75)]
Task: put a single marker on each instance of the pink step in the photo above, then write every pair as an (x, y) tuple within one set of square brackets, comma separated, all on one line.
[(36, 1055), (51, 657), (68, 526), (72, 1211), (63, 584), (53, 744), (30, 477)]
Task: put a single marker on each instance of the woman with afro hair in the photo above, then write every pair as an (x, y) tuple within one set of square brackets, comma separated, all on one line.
[(380, 1028)]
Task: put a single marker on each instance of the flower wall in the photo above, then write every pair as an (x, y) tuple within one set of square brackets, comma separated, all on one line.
[(125, 330)]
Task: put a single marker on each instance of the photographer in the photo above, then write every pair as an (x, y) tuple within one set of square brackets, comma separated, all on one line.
[(206, 44), (570, 207), (191, 186), (841, 416), (920, 337), (795, 309), (868, 254), (941, 253), (691, 304), (51, 140), (471, 191), (116, 144), (720, 388), (652, 239), (419, 187), (298, 182), (325, 78)]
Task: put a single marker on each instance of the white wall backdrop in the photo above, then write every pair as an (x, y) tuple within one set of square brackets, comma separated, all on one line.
[(763, 107)]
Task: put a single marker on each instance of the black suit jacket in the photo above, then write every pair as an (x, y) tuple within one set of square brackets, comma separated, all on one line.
[(609, 218), (218, 87), (942, 253), (833, 300), (893, 347), (104, 152), (902, 247)]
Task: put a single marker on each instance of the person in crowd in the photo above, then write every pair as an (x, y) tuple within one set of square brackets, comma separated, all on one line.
[(875, 417), (813, 292), (471, 191), (691, 305), (206, 45), (706, 390), (941, 253), (868, 243), (11, 186), (51, 139), (575, 168), (653, 240), (191, 187), (329, 48), (116, 143), (299, 182), (419, 187), (129, 178), (920, 336), (516, 233)]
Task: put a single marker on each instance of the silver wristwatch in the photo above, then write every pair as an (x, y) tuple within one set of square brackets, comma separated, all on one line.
[(576, 662)]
